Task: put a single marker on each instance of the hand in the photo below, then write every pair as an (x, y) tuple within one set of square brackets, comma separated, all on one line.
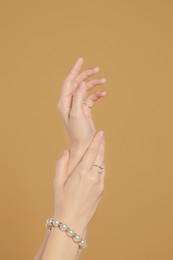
[(77, 197), (75, 106)]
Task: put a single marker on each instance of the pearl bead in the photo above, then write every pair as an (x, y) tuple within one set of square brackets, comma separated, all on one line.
[(77, 238), (50, 222), (55, 223), (70, 232), (83, 244), (63, 227)]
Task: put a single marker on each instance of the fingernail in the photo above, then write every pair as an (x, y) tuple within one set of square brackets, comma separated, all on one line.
[(82, 84)]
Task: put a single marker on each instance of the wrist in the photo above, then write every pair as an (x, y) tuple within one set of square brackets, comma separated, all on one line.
[(78, 148), (54, 223), (77, 225), (76, 153)]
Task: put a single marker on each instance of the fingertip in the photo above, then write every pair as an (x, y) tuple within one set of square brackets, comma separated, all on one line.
[(103, 80), (81, 59), (97, 69), (103, 94)]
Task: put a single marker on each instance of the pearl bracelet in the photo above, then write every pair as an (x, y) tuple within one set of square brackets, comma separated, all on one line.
[(51, 222)]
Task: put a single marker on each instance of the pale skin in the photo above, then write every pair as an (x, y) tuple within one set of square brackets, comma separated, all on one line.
[(75, 108), (83, 200)]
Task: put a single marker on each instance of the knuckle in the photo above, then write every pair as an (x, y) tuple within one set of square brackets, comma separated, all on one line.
[(94, 179)]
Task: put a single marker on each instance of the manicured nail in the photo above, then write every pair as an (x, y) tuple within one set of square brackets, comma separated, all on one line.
[(82, 84)]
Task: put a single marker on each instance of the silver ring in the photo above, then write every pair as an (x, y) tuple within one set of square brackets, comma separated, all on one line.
[(101, 168)]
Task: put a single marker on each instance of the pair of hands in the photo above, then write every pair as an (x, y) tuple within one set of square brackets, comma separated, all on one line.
[(78, 185)]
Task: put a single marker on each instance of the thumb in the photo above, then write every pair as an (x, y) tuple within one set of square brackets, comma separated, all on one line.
[(61, 169)]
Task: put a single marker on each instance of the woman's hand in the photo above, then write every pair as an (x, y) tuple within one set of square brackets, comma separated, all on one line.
[(76, 200), (77, 197), (75, 107)]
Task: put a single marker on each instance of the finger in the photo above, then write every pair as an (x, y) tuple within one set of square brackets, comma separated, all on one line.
[(100, 155), (95, 82), (103, 174), (99, 161), (78, 100), (61, 169), (89, 102), (65, 100), (75, 69), (85, 75), (71, 77), (92, 151)]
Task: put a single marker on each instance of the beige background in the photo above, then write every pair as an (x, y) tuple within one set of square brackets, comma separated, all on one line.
[(132, 43)]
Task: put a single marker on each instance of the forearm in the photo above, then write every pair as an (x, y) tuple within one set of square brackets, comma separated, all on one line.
[(60, 243), (74, 159), (42, 247)]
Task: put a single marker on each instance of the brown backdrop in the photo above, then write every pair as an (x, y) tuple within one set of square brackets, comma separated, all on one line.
[(132, 43)]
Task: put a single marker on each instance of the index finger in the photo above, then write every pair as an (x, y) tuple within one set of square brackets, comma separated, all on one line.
[(68, 86)]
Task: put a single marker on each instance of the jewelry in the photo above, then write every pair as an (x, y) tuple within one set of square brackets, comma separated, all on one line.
[(51, 222), (101, 168)]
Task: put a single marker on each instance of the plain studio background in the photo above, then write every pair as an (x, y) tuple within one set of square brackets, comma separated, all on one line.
[(132, 42)]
